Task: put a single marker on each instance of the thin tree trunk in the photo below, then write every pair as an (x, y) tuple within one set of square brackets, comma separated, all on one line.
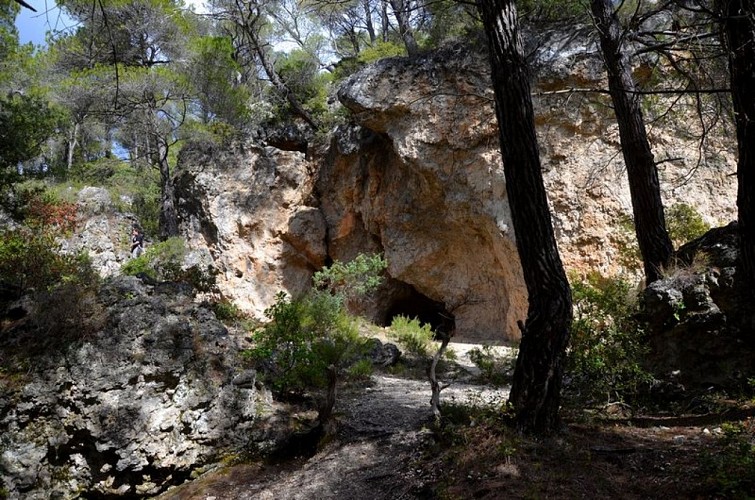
[(405, 30), (739, 32), (435, 386), (367, 6), (249, 18), (649, 222), (134, 155), (325, 413), (283, 89), (385, 24), (168, 217), (536, 389), (73, 141)]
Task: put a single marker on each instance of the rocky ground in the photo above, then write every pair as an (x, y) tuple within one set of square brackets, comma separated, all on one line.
[(386, 449), (384, 430)]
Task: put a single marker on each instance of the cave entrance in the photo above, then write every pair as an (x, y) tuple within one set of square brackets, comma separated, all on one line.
[(412, 304)]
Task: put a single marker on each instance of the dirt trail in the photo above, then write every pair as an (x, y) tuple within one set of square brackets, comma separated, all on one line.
[(383, 427)]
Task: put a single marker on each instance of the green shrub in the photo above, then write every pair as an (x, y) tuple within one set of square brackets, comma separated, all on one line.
[(730, 471), (303, 339), (354, 279), (226, 310), (381, 50), (32, 259), (62, 291), (310, 342), (607, 342), (415, 337), (361, 370), (163, 261), (494, 369), (684, 224)]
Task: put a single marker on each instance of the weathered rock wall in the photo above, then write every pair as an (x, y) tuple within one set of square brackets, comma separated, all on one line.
[(154, 397), (248, 212), (423, 178), (418, 175), (101, 231)]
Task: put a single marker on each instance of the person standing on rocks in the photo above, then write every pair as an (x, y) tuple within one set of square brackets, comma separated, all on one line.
[(137, 243)]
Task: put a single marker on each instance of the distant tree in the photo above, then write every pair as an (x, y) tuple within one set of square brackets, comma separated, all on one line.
[(214, 75), (351, 25), (738, 18), (8, 31), (650, 226), (133, 50), (402, 11), (26, 122), (247, 23), (27, 118), (536, 389)]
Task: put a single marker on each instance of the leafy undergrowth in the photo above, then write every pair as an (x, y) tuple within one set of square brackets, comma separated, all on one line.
[(479, 455)]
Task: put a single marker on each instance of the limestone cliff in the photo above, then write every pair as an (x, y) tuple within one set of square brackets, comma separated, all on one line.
[(417, 175)]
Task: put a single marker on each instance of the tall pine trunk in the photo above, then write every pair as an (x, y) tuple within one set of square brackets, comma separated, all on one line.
[(536, 389), (739, 32), (649, 222)]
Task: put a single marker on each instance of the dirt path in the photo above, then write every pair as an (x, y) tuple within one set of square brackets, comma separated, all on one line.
[(382, 433)]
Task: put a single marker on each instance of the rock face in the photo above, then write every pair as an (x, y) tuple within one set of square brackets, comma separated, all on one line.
[(101, 231), (154, 397), (418, 175), (248, 213), (422, 177), (696, 332)]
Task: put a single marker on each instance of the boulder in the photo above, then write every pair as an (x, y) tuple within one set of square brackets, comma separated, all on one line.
[(697, 323)]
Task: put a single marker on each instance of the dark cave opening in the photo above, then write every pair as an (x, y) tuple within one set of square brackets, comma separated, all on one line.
[(412, 304)]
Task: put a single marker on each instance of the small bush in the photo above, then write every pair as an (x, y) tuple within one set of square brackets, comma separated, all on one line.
[(303, 339), (381, 50), (361, 370), (730, 472), (163, 261), (684, 224), (352, 280), (32, 259), (47, 211), (415, 337), (225, 310), (607, 344), (62, 292), (310, 342), (494, 369)]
